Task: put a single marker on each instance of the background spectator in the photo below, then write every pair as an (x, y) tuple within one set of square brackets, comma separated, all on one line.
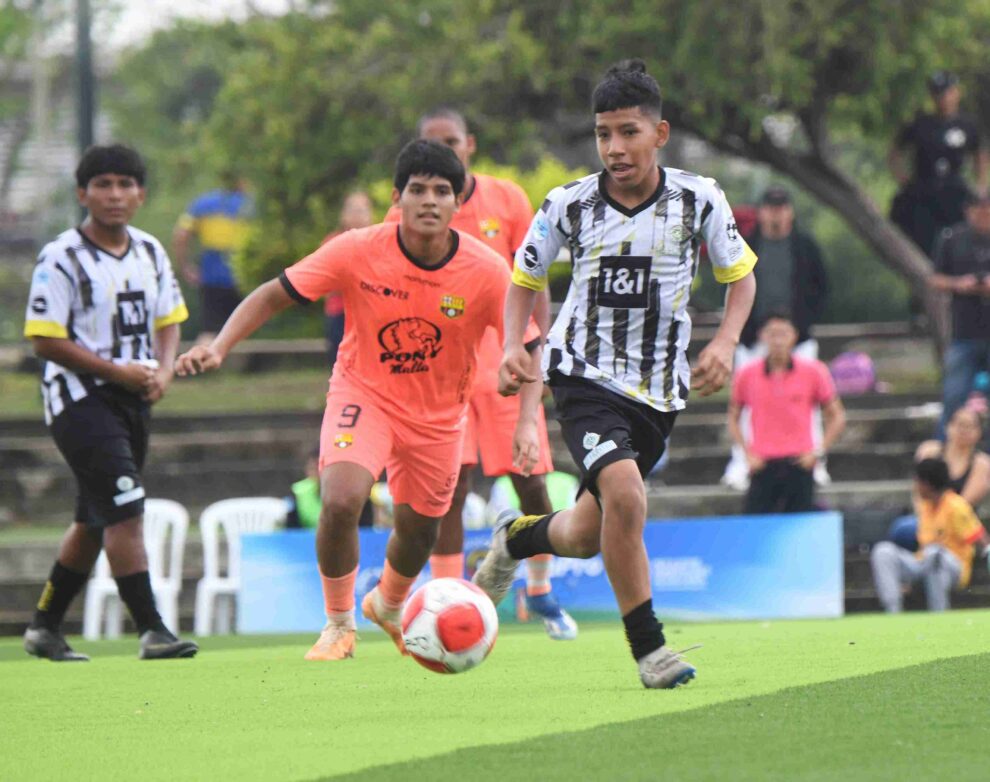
[(219, 221), (932, 194), (782, 391), (790, 279), (969, 469), (948, 532), (356, 212), (962, 267)]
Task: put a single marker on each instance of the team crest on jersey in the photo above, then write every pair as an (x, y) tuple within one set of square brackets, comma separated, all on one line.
[(490, 227), (679, 233), (452, 306), (343, 441)]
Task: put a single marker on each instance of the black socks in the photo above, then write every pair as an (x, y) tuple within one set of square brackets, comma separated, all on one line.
[(528, 536), (62, 586), (643, 631), (135, 591)]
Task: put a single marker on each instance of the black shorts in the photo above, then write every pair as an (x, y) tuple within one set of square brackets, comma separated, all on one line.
[(104, 438), (218, 304), (600, 428)]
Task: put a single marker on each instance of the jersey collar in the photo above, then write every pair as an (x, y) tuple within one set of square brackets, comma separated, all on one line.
[(454, 244), (91, 243), (603, 192)]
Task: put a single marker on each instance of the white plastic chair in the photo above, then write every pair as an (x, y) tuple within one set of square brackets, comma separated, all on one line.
[(234, 517), (165, 525)]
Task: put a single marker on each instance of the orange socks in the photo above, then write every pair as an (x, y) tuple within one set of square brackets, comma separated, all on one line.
[(394, 587), (338, 594), (447, 565), (538, 574)]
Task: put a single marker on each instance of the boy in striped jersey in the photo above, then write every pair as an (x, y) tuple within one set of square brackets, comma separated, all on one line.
[(616, 357), (103, 315)]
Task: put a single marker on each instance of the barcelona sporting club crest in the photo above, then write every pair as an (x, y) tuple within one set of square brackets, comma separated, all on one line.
[(343, 441), (452, 306), (489, 227)]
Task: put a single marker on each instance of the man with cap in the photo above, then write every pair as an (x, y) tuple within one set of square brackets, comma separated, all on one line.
[(962, 268), (791, 280), (933, 190)]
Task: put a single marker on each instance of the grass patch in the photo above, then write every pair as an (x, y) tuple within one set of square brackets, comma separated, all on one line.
[(252, 708)]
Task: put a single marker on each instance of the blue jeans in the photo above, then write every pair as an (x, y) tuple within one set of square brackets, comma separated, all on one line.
[(964, 359)]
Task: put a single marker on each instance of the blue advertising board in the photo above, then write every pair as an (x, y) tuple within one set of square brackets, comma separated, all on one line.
[(733, 567)]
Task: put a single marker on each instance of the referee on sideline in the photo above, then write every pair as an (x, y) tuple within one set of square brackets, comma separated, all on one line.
[(103, 315)]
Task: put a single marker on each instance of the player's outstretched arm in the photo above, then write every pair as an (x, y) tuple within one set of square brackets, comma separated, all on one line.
[(715, 362), (516, 367), (250, 315)]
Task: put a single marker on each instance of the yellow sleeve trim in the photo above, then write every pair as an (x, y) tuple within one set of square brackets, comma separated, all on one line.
[(45, 328), (524, 280), (187, 222), (177, 315), (738, 270)]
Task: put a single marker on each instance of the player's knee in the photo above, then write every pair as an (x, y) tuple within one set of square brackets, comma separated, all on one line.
[(341, 508), (626, 510)]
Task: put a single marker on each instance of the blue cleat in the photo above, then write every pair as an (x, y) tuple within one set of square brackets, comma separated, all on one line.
[(559, 624)]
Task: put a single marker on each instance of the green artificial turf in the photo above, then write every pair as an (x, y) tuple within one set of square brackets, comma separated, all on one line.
[(862, 698)]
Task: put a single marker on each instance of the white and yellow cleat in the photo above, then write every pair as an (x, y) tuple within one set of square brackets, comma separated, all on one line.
[(336, 642), (374, 610)]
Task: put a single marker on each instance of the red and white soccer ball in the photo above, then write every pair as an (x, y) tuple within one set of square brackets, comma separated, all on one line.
[(449, 625)]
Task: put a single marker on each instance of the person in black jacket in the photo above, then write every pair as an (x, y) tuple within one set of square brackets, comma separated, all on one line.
[(790, 279)]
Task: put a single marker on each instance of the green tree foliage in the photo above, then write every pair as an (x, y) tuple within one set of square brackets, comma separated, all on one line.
[(312, 104)]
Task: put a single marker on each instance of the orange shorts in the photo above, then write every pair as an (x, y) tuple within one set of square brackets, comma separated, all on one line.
[(422, 466), (491, 423)]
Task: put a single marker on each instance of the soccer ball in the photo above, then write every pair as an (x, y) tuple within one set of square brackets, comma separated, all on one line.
[(449, 625)]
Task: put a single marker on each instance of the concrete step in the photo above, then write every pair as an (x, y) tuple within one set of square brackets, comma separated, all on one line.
[(714, 500)]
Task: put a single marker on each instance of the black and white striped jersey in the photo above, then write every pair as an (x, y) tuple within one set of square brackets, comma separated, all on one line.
[(107, 304), (624, 324)]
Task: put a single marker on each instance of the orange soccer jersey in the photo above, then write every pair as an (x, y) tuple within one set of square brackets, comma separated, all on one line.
[(952, 523), (412, 333), (497, 212)]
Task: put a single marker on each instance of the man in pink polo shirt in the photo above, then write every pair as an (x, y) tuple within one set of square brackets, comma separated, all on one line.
[(782, 392)]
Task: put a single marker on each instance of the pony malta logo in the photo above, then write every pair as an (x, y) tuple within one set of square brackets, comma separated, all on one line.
[(409, 345)]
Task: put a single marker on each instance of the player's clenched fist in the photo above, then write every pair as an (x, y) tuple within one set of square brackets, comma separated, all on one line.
[(714, 367), (516, 369), (199, 359)]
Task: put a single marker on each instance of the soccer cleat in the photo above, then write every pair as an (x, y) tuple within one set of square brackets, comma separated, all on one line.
[(51, 645), (162, 645), (374, 610), (497, 570), (336, 642), (559, 624), (664, 670)]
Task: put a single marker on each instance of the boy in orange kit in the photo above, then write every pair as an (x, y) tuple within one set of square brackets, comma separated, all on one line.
[(497, 212), (418, 297)]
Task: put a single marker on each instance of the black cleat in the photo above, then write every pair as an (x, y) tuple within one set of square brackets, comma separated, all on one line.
[(162, 645), (45, 643)]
